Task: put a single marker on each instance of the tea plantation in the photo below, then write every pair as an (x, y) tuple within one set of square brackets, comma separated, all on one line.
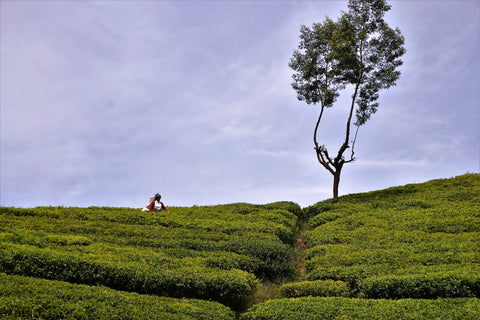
[(409, 252)]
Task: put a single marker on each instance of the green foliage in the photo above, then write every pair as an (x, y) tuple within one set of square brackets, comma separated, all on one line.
[(181, 232), (31, 298), (409, 243), (319, 288), (316, 209), (414, 241), (209, 252), (343, 308), (451, 284), (276, 259), (285, 205), (232, 287)]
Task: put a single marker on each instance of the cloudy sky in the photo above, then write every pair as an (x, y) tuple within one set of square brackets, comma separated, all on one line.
[(105, 103)]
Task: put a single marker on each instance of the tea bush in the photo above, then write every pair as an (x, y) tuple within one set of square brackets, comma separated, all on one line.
[(344, 308), (327, 288), (411, 243), (258, 252), (209, 252), (232, 287), (32, 298), (378, 241), (451, 284)]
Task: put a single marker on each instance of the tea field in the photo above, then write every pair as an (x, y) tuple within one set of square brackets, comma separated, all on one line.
[(214, 253), (408, 252)]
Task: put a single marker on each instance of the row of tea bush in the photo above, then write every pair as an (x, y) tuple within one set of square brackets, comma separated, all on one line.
[(31, 298), (315, 308), (211, 252), (414, 241)]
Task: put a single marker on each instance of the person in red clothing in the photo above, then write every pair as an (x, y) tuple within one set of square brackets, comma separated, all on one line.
[(155, 204)]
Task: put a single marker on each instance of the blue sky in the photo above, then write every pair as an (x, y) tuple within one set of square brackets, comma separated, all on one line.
[(105, 103)]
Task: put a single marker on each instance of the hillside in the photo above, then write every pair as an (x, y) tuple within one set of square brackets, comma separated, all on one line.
[(408, 252), (419, 241)]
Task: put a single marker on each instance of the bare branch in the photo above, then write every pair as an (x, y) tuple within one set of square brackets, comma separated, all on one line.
[(321, 154), (339, 159), (352, 157)]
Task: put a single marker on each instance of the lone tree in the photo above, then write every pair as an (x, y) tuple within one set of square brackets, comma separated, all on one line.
[(359, 51)]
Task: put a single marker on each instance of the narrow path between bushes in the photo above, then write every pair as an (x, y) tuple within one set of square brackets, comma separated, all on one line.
[(302, 247)]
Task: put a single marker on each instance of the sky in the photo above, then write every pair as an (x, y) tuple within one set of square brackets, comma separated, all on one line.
[(104, 103)]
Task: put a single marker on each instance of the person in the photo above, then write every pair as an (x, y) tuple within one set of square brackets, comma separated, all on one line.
[(155, 204)]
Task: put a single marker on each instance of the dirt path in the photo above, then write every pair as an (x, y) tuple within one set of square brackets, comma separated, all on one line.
[(303, 247)]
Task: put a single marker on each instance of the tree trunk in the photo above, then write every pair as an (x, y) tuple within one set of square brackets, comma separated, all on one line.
[(336, 182)]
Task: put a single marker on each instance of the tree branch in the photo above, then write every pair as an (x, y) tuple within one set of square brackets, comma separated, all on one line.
[(322, 153), (352, 158), (344, 146), (316, 128)]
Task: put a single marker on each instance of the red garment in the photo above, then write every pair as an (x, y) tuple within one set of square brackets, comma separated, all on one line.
[(163, 206), (151, 206)]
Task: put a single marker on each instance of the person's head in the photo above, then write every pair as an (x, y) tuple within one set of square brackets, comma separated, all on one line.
[(156, 197)]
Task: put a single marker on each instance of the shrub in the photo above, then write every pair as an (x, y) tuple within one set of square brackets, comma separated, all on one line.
[(421, 286), (379, 241), (277, 260), (325, 217), (318, 208), (255, 238), (31, 298), (326, 288), (343, 308), (230, 287), (285, 205)]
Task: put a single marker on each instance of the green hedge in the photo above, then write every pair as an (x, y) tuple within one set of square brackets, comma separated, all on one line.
[(253, 238), (316, 209), (230, 287), (343, 308), (286, 205), (427, 286), (277, 260), (31, 298), (207, 252), (320, 288), (414, 241)]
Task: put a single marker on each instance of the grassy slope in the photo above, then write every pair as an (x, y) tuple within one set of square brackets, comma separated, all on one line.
[(214, 253), (415, 241), (32, 298), (421, 229), (423, 238)]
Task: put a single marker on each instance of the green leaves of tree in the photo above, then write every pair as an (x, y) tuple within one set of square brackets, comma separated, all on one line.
[(358, 49)]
